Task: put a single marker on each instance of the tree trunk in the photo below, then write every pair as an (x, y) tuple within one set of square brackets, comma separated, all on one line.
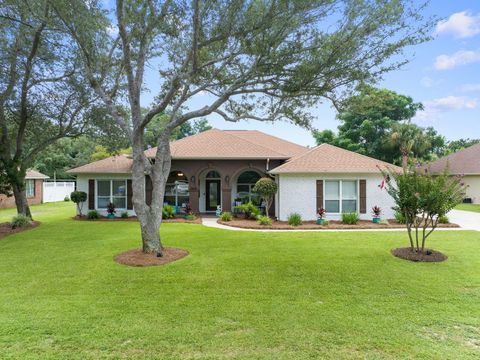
[(21, 200), (150, 216)]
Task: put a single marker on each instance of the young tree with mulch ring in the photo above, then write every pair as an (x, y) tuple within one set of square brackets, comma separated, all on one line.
[(423, 199)]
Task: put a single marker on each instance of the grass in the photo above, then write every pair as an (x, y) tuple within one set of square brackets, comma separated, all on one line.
[(240, 295), (469, 207)]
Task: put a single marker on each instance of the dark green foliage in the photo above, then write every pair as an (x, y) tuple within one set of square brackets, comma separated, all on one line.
[(249, 210), (78, 197), (350, 218), (124, 215), (111, 209), (423, 199), (226, 216), (66, 198), (295, 219), (266, 187), (168, 212), (400, 217), (443, 219), (93, 215), (370, 120), (20, 221)]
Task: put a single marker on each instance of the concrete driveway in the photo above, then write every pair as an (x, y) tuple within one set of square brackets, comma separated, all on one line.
[(466, 219)]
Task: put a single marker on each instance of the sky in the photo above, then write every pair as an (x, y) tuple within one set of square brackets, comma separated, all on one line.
[(443, 74)]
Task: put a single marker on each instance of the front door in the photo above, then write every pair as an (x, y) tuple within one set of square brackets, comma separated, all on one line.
[(212, 194)]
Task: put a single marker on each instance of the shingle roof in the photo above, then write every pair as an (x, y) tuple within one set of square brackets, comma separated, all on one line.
[(463, 162), (34, 174), (327, 158), (228, 144), (210, 144)]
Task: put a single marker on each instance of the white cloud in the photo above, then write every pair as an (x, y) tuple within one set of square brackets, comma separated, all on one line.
[(470, 87), (427, 82), (435, 107), (462, 57), (460, 25)]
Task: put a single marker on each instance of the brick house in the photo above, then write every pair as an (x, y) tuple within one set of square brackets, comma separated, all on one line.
[(33, 188)]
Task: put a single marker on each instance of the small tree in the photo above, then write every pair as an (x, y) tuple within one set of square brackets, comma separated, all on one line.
[(266, 188), (423, 198), (79, 197)]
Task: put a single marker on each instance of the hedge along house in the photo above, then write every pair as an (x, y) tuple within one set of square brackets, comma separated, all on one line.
[(335, 179), (210, 169), (33, 190)]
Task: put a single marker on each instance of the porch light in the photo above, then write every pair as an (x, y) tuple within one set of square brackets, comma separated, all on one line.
[(227, 179), (179, 173)]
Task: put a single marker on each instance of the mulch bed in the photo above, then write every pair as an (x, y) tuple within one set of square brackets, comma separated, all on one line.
[(5, 229), (428, 255), (179, 219), (310, 225), (136, 257)]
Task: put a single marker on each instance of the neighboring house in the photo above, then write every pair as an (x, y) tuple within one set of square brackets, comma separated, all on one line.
[(220, 168), (466, 163), (33, 189)]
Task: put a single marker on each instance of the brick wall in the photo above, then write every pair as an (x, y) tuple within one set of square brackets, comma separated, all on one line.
[(9, 202)]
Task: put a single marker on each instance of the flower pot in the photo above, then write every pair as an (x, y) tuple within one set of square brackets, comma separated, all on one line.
[(376, 220), (111, 216), (320, 221)]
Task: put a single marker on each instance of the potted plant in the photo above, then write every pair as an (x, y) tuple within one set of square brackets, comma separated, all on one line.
[(189, 215), (321, 212), (111, 211), (376, 212)]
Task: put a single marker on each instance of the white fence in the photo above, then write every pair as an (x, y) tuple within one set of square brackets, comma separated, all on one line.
[(57, 190)]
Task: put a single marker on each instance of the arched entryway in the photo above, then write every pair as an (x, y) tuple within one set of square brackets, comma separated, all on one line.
[(210, 181), (243, 188)]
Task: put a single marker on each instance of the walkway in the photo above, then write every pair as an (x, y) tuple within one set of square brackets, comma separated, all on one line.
[(467, 220), (211, 221)]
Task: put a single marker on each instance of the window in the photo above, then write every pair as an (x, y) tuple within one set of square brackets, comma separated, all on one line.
[(245, 183), (341, 196), (112, 191), (176, 190), (30, 188)]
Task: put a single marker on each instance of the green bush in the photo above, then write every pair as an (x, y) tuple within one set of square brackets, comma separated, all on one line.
[(264, 220), (168, 212), (79, 197), (384, 222), (124, 215), (325, 223), (295, 219), (267, 188), (226, 216), (190, 217), (350, 218), (249, 209), (443, 219), (400, 217), (66, 198), (93, 215), (20, 221)]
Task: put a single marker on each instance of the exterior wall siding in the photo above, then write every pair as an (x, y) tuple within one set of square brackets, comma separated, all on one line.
[(9, 202), (473, 189), (297, 193)]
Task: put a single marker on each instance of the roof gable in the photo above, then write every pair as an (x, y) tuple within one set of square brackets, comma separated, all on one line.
[(327, 158), (462, 162)]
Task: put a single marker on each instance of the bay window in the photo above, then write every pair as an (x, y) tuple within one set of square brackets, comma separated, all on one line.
[(341, 196), (112, 191)]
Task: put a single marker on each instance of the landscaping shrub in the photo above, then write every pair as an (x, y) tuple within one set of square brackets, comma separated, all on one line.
[(79, 197), (168, 212), (267, 188), (124, 215), (66, 198), (326, 222), (264, 220), (384, 222), (20, 221), (295, 219), (400, 217), (250, 210), (111, 209), (190, 216), (93, 215), (226, 216), (350, 218), (443, 219)]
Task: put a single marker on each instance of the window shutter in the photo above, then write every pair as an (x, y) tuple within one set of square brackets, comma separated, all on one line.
[(319, 195), (363, 196), (91, 194), (148, 190), (129, 195)]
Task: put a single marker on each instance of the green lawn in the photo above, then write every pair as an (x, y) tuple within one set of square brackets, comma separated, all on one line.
[(237, 295), (469, 207)]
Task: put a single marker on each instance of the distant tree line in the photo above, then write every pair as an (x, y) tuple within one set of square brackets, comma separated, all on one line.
[(377, 122)]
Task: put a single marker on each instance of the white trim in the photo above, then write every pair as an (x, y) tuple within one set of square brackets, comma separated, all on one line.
[(340, 199), (111, 193)]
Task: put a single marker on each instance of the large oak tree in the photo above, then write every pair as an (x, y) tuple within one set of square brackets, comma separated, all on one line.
[(264, 60)]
